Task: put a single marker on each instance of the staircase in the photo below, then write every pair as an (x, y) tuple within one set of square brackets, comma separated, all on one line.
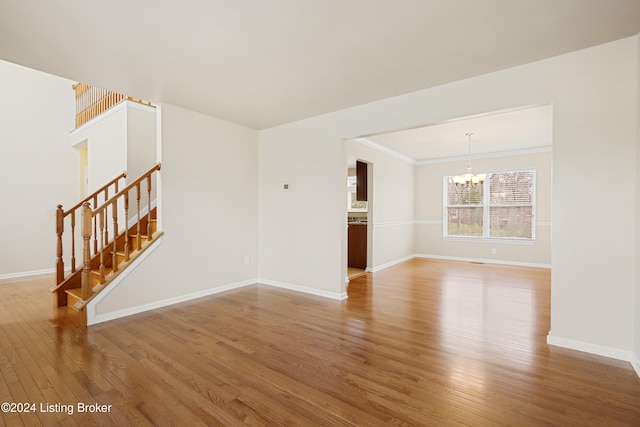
[(106, 252)]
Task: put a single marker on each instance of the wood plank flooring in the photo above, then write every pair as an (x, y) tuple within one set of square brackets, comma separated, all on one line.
[(424, 343)]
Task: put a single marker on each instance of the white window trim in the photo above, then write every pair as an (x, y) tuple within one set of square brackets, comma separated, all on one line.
[(485, 212)]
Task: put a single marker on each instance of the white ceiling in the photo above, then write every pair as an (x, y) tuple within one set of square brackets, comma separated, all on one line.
[(266, 62), (520, 130)]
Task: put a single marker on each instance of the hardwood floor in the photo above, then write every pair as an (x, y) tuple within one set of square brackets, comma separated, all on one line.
[(421, 343), (352, 273)]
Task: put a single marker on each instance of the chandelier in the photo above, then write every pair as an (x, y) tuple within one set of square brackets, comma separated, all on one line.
[(468, 180)]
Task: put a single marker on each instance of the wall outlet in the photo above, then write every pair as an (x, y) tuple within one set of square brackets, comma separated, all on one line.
[(493, 251), (246, 260)]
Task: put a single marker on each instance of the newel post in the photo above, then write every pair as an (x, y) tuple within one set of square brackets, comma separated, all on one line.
[(59, 231), (87, 215)]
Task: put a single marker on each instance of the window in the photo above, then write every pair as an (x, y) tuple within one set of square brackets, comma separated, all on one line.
[(502, 208)]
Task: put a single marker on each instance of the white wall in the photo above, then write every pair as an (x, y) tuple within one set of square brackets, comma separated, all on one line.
[(301, 230), (121, 139), (594, 97), (141, 139), (208, 214), (429, 211), (38, 168), (594, 165), (392, 183), (105, 138)]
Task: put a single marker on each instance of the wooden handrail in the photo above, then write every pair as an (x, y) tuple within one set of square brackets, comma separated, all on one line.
[(92, 101), (61, 214), (97, 192), (129, 187)]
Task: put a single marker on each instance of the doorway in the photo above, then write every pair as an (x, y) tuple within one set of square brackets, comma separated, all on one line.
[(359, 238)]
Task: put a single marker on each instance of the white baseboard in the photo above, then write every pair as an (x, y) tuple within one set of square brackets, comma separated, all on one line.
[(600, 350), (391, 263), (23, 274), (635, 362), (99, 318), (303, 289), (93, 318), (484, 261), (463, 259)]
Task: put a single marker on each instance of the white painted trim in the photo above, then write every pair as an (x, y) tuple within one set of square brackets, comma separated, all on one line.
[(385, 150), (144, 211), (170, 301), (452, 258), (600, 350), (635, 362), (303, 289), (439, 222), (412, 161), (471, 239), (93, 318), (119, 106), (484, 260), (496, 154), (159, 160), (392, 223), (91, 307), (21, 274), (391, 263)]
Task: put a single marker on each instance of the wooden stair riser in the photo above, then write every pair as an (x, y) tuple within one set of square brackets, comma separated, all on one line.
[(133, 242), (73, 296)]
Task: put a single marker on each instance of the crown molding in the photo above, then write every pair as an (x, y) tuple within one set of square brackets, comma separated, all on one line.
[(495, 154), (385, 150), (412, 161)]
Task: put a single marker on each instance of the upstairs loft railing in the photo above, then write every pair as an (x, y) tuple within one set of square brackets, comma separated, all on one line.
[(92, 101), (104, 225)]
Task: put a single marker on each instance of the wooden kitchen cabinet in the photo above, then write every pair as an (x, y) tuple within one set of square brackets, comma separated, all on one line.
[(357, 246), (361, 181)]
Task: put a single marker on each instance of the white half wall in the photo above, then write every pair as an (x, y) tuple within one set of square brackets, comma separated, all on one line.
[(38, 168), (594, 97), (208, 207), (105, 139), (141, 139)]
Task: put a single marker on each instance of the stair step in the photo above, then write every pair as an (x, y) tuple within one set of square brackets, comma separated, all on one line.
[(133, 241), (95, 275), (73, 296)]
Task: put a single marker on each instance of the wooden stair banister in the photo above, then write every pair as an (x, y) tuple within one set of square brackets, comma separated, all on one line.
[(101, 212), (105, 249), (61, 214)]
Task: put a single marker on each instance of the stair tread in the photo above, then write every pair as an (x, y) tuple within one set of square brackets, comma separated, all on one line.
[(107, 270), (76, 292)]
